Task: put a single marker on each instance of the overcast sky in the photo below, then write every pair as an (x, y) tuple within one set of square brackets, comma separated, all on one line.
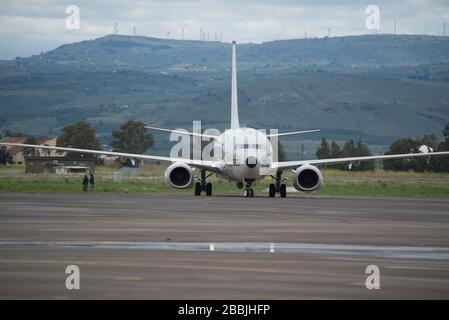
[(32, 26)]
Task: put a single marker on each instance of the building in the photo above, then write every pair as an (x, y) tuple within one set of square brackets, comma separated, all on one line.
[(72, 169), (59, 165), (15, 154), (18, 154)]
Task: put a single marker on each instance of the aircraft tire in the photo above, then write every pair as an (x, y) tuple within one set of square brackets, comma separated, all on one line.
[(197, 189), (272, 190), (208, 189), (283, 190)]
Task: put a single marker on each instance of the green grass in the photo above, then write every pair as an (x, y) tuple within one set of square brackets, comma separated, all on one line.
[(384, 183), (150, 180)]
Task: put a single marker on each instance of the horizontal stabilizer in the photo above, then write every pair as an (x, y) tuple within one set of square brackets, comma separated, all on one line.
[(291, 133), (183, 132)]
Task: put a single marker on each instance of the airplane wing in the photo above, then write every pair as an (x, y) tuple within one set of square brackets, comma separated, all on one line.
[(183, 132), (196, 163), (291, 133), (294, 164)]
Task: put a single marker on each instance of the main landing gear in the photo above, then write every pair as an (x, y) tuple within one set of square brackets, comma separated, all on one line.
[(278, 187), (202, 185)]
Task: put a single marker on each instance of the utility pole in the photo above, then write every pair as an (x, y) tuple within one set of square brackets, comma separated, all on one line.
[(134, 31), (115, 28), (305, 33), (395, 25), (168, 34)]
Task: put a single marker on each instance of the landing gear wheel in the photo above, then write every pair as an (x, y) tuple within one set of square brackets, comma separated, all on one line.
[(197, 188), (283, 190), (278, 187), (248, 193), (272, 190), (209, 189)]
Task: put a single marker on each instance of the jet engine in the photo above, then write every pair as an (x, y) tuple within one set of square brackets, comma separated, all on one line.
[(307, 178), (179, 175)]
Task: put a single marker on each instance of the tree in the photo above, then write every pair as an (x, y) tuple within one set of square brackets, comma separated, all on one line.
[(352, 149), (335, 152), (428, 164), (362, 150), (441, 164), (421, 164), (349, 150), (79, 135), (429, 140), (406, 145), (132, 138), (323, 150)]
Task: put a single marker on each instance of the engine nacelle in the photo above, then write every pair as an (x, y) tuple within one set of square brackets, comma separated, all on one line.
[(307, 178), (179, 175)]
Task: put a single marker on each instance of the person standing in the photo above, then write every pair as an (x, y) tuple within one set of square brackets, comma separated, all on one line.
[(92, 182), (85, 183)]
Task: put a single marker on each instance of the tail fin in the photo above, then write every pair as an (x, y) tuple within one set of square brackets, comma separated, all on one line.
[(234, 100)]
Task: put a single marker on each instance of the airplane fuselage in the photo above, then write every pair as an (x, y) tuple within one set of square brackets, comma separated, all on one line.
[(243, 154)]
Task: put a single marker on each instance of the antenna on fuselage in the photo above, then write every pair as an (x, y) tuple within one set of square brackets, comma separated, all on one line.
[(234, 100)]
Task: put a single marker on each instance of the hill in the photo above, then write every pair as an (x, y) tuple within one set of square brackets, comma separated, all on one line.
[(374, 87)]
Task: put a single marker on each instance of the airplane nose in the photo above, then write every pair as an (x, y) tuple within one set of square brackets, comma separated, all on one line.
[(251, 162)]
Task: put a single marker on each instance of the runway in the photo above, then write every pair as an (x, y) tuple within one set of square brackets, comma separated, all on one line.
[(185, 247)]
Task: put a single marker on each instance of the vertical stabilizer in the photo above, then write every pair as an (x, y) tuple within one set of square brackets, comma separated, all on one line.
[(234, 100)]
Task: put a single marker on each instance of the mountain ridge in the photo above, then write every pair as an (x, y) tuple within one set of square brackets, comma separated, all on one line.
[(375, 87)]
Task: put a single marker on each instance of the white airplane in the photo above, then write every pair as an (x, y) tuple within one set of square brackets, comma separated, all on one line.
[(248, 157)]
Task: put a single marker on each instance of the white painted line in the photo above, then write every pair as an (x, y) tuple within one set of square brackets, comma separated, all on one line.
[(397, 252)]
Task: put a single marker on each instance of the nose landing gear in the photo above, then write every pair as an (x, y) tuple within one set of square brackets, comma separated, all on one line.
[(248, 192)]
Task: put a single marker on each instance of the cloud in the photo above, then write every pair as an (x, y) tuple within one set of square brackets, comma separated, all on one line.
[(31, 26)]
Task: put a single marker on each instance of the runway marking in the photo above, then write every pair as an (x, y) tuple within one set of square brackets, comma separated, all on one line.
[(399, 252)]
